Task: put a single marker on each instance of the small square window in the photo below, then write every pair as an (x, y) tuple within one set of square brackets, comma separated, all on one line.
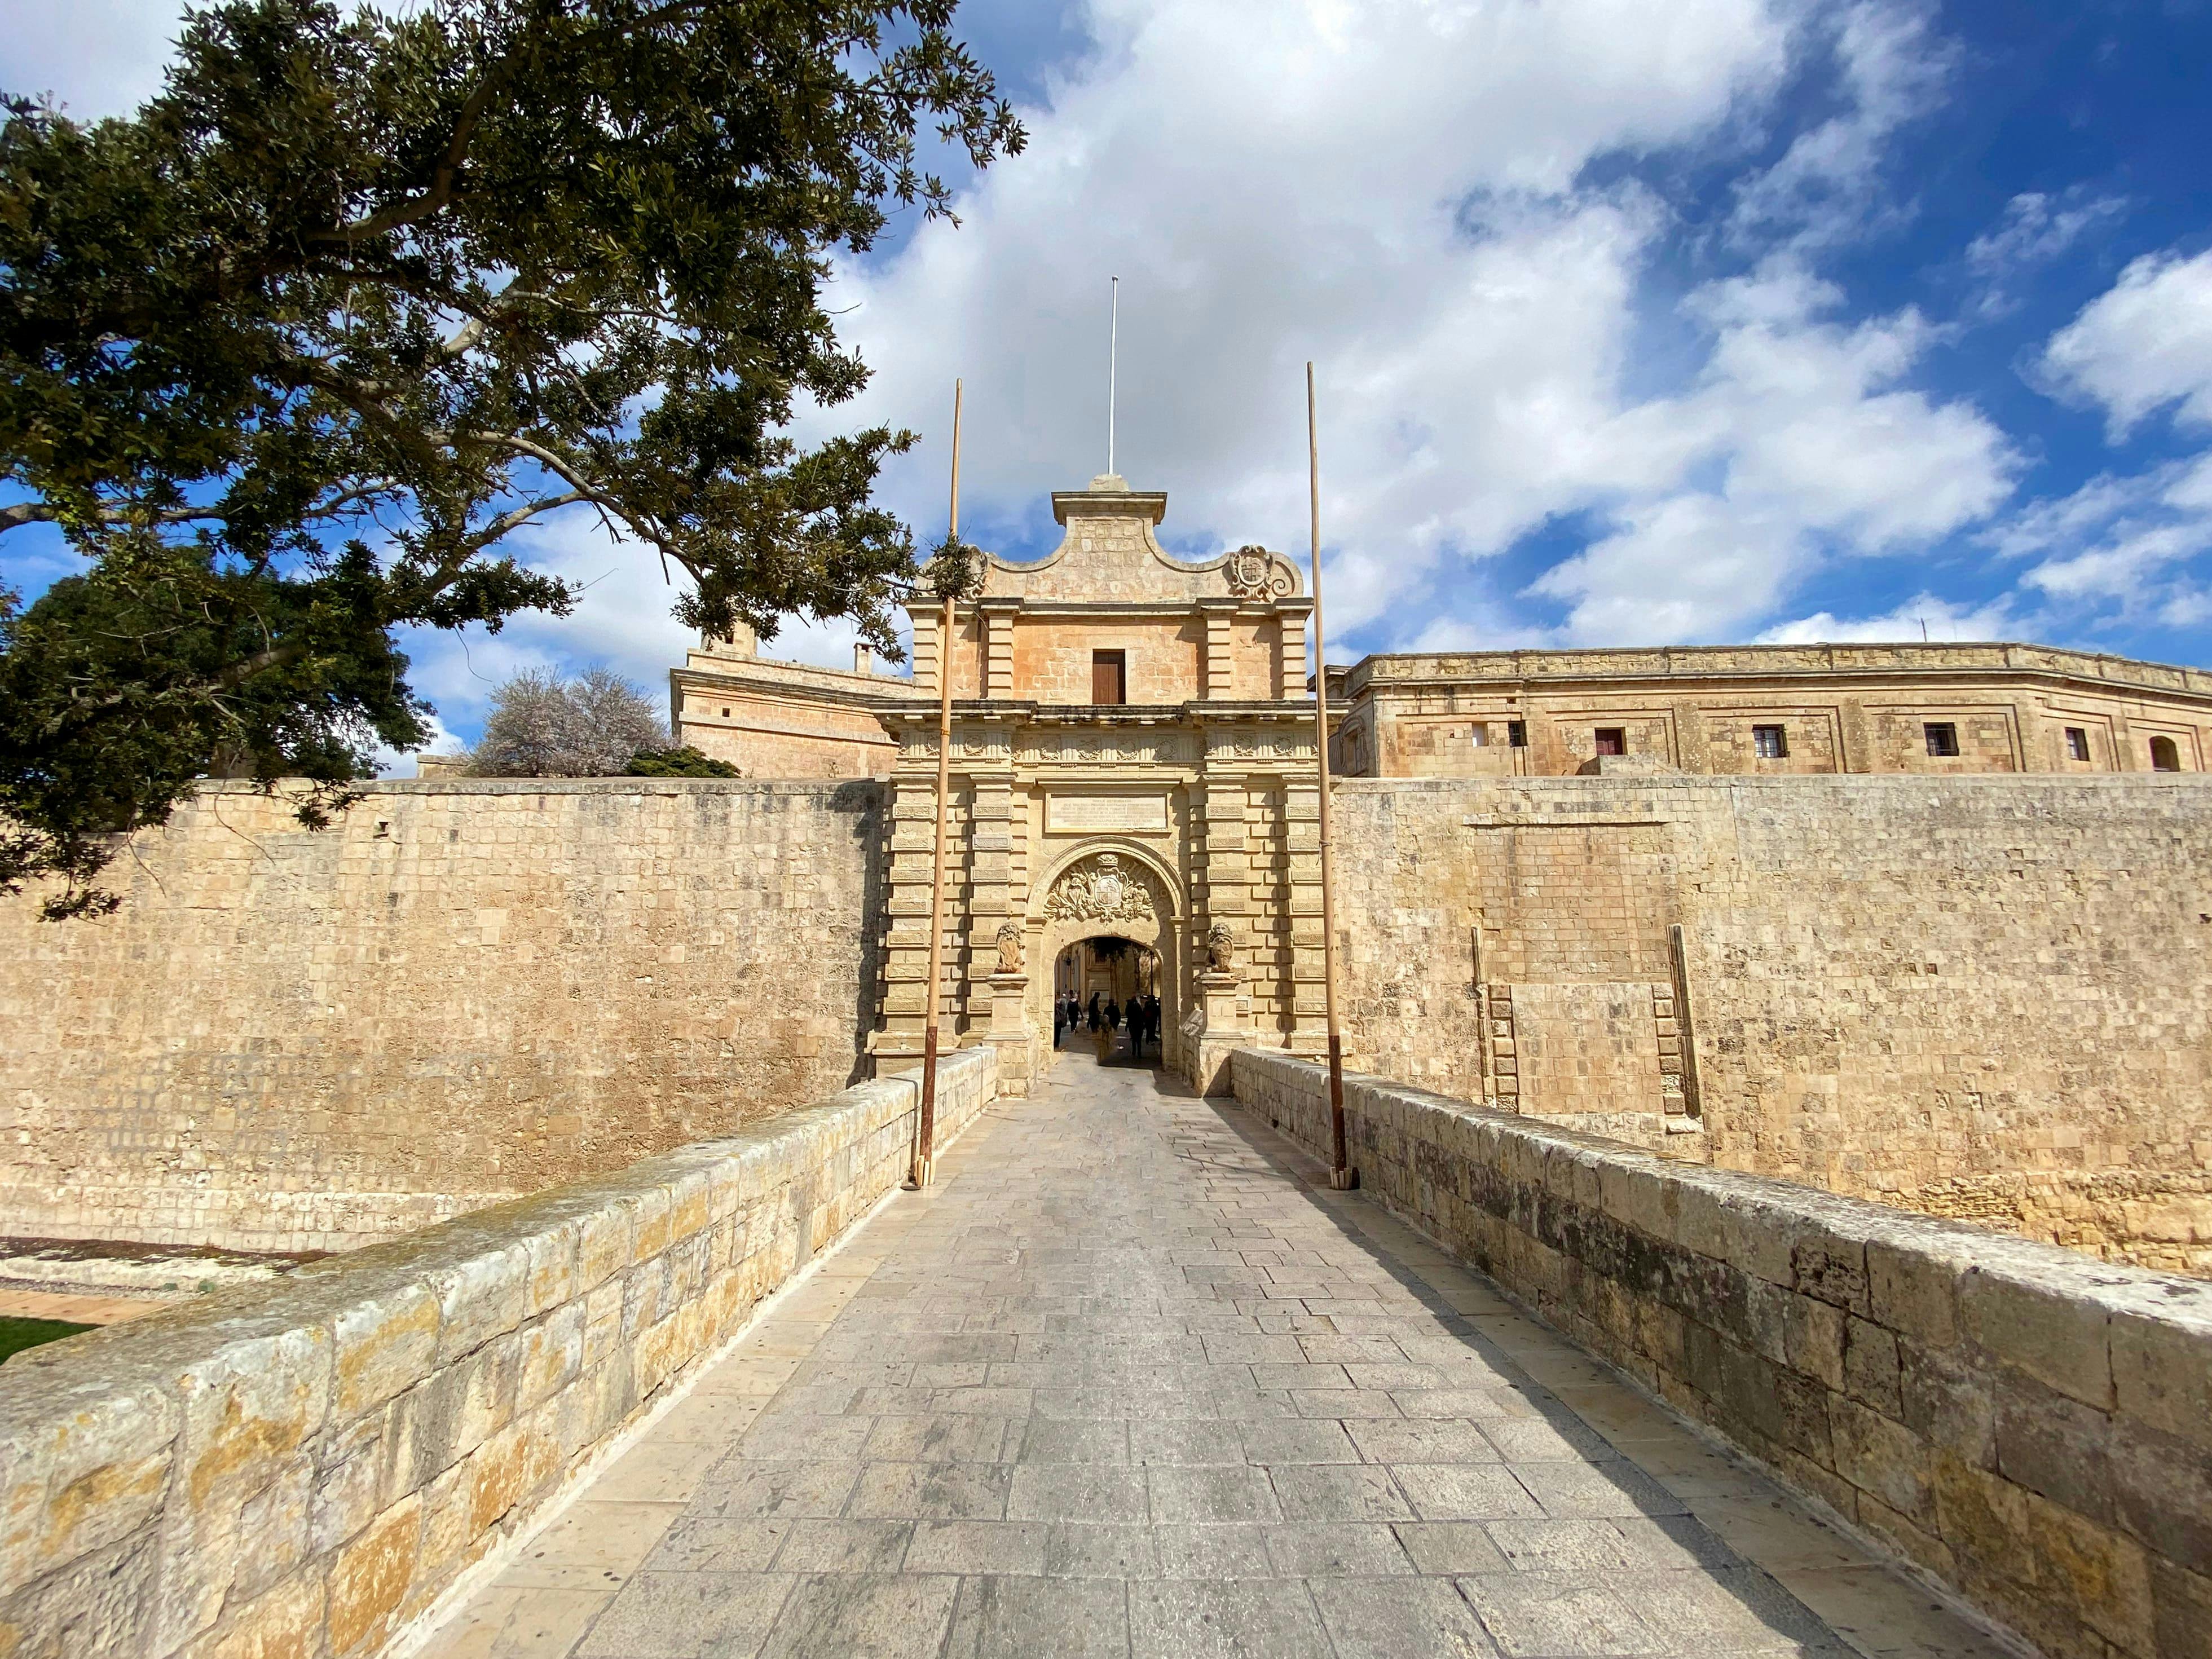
[(1479, 735), (2077, 744), (1517, 734), (1611, 739), (726, 714), (1942, 739), (1769, 742)]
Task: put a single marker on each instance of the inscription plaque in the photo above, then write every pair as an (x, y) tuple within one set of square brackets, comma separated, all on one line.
[(1070, 815)]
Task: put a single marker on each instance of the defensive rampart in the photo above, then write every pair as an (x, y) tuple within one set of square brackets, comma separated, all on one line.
[(304, 1468), (460, 992), (2033, 1429), (1981, 997)]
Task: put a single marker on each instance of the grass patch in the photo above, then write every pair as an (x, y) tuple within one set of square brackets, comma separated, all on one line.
[(17, 1335)]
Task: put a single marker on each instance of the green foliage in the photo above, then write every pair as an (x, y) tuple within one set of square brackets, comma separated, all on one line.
[(119, 689), (682, 762), (413, 281), (17, 1335)]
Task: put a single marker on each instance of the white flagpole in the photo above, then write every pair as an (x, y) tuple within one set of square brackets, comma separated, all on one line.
[(1113, 369)]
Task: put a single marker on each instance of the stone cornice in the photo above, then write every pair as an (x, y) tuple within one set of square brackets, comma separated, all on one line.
[(1793, 664)]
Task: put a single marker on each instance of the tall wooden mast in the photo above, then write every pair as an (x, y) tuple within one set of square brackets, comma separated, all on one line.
[(924, 1128), (1342, 1175)]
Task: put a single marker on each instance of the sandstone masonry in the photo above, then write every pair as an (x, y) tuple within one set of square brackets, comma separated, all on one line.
[(460, 992), (302, 1468), (2031, 1429)]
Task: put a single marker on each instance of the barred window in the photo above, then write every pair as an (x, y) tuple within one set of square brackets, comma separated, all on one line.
[(1770, 742), (1942, 739)]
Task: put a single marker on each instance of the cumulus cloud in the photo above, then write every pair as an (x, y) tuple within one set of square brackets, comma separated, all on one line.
[(2144, 344), (1923, 616), (1813, 447)]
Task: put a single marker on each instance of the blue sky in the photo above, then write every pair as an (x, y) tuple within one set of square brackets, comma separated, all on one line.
[(1715, 320)]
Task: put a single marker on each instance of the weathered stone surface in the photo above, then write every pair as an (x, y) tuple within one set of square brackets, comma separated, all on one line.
[(461, 993), (295, 1471), (2021, 1420)]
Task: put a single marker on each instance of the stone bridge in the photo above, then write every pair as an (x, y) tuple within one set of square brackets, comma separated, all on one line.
[(1128, 1379)]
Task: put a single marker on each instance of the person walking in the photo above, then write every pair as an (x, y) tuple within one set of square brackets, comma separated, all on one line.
[(1097, 1019), (1059, 1019)]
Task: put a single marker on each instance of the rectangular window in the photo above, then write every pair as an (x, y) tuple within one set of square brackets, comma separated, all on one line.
[(1480, 735), (1612, 740), (1110, 676), (1769, 742), (1942, 739), (2077, 744), (1517, 734)]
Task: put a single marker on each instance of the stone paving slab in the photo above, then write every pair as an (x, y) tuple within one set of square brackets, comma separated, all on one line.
[(1128, 1381)]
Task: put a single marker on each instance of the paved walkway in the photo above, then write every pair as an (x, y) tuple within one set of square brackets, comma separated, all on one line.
[(1125, 1382)]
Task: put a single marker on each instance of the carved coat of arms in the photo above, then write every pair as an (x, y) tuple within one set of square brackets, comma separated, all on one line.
[(1253, 575), (1099, 889)]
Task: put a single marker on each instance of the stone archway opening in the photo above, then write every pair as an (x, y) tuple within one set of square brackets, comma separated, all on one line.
[(1114, 973)]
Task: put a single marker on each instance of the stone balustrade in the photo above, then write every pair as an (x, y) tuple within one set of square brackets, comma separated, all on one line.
[(305, 1468), (2031, 1428)]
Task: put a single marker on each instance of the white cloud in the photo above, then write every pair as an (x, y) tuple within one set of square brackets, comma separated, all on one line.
[(2142, 344), (1923, 616), (1891, 69), (1814, 447), (2120, 542), (2037, 228), (96, 57)]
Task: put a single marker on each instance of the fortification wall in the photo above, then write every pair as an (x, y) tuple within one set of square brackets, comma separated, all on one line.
[(460, 992), (306, 1467), (1982, 997), (2031, 1428)]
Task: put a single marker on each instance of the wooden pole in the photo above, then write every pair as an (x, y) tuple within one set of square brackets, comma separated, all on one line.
[(925, 1130), (1342, 1175)]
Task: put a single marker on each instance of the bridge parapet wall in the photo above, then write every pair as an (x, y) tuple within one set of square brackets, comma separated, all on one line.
[(2030, 1427), (306, 1467)]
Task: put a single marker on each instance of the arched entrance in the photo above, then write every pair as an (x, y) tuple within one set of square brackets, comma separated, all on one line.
[(1106, 913), (1117, 973)]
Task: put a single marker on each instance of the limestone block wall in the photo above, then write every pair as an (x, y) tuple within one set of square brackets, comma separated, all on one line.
[(305, 1467), (2031, 1428), (1985, 997), (460, 992)]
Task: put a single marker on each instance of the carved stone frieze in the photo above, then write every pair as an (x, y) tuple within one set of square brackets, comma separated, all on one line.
[(1107, 746)]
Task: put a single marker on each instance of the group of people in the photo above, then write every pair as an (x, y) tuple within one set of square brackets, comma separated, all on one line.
[(1141, 1016)]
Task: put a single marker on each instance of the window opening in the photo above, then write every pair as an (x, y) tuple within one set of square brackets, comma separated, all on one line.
[(1942, 738), (2165, 755), (1517, 734), (1612, 740), (2077, 744), (726, 714), (1110, 676), (1480, 735), (1769, 742)]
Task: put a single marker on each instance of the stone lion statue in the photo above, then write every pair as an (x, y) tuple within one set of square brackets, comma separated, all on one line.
[(1220, 948), (1009, 947)]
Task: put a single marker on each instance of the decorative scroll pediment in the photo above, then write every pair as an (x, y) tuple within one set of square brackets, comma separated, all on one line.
[(1101, 888)]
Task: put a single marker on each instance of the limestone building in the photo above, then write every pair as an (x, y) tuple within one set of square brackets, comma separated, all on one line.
[(1766, 710), (1133, 768), (1133, 760)]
